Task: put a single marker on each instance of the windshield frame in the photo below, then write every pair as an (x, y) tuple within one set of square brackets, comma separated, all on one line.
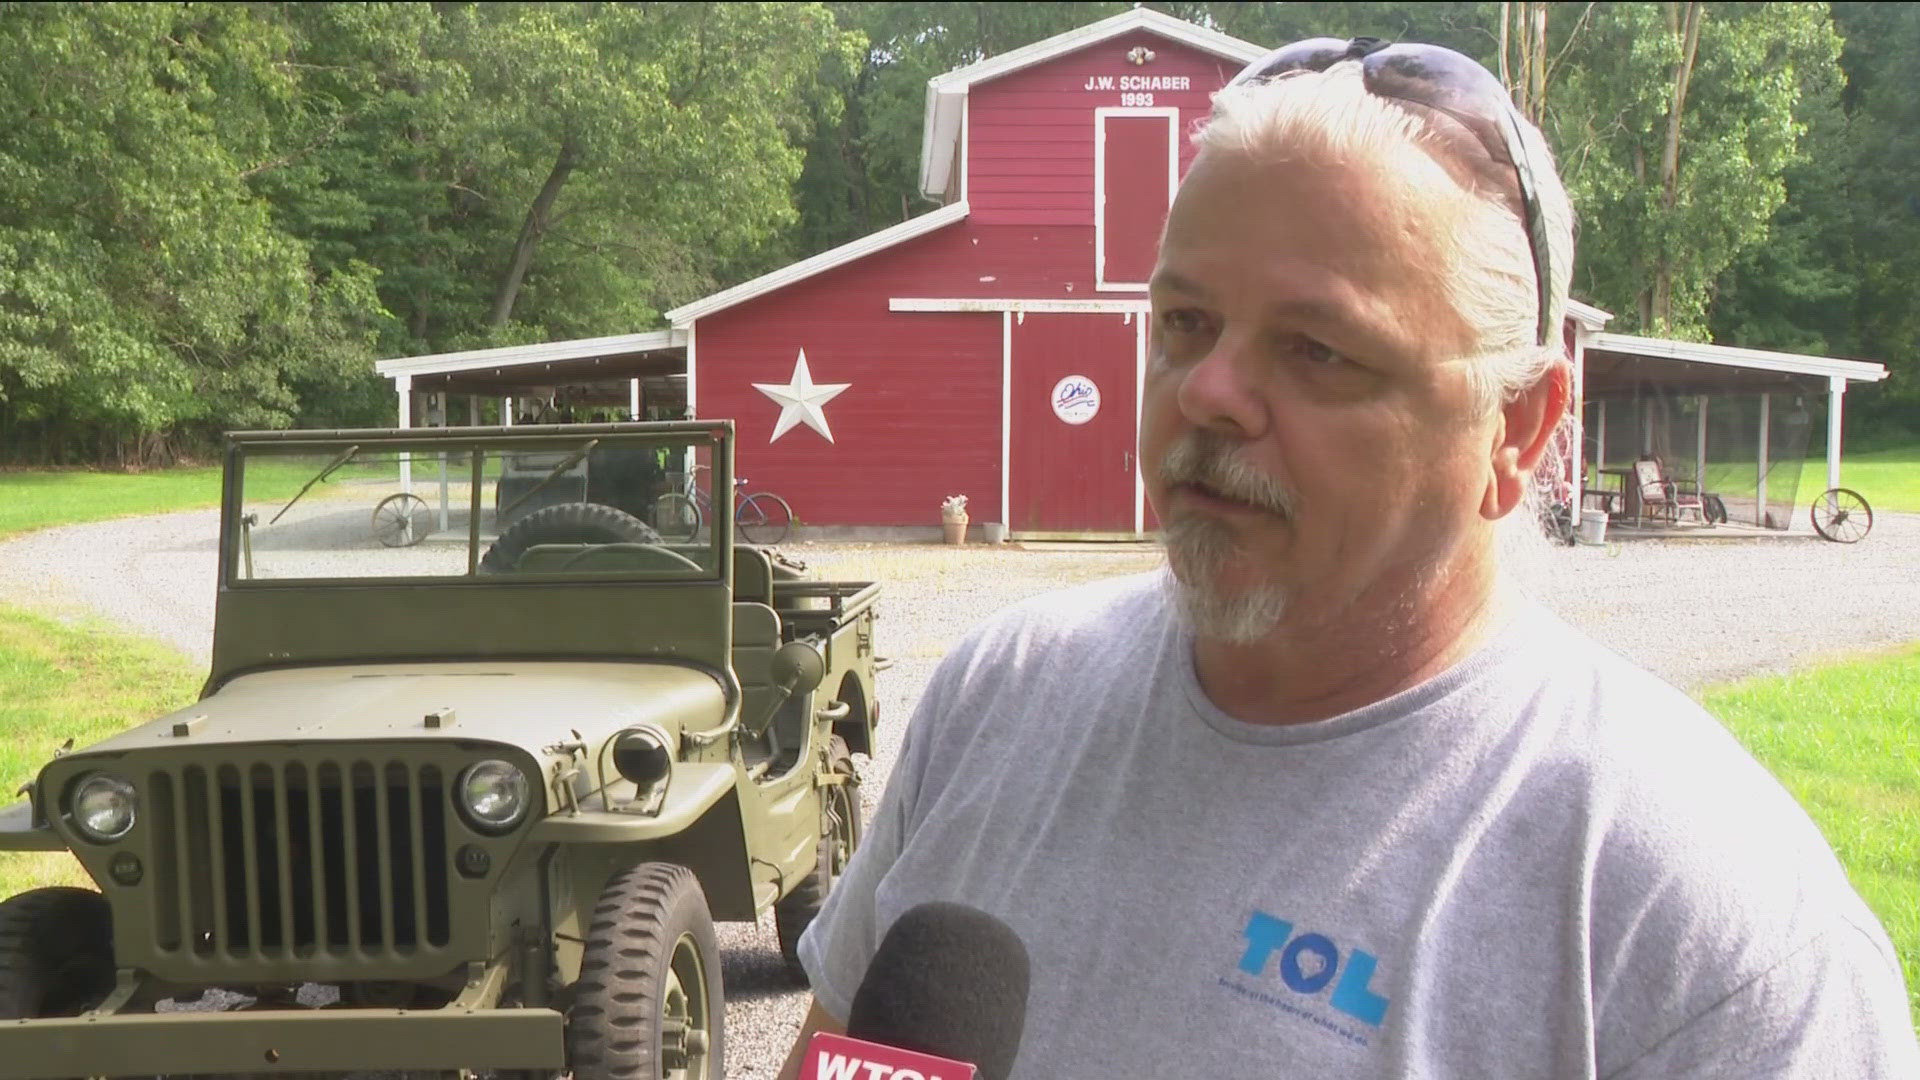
[(480, 443)]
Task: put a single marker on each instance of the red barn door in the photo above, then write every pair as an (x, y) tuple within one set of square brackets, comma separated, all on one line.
[(1135, 160), (1071, 446)]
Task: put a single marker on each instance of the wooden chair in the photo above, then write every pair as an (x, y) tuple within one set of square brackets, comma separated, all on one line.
[(1662, 497)]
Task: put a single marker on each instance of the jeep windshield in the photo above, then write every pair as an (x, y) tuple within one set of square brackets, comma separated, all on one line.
[(496, 504)]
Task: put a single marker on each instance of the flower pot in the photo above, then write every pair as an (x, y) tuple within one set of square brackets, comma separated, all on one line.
[(956, 529)]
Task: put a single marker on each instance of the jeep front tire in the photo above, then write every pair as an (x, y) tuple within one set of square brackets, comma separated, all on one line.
[(648, 1003)]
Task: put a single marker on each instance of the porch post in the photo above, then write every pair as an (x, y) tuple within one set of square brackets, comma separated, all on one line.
[(1836, 397), (1700, 446), (506, 412), (403, 386), (1760, 482), (446, 421), (1600, 439), (1576, 467), (473, 409), (633, 399)]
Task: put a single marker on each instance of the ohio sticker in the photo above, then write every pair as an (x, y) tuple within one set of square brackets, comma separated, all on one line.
[(1075, 399)]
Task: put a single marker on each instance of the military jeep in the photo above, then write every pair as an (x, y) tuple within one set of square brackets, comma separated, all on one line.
[(470, 803)]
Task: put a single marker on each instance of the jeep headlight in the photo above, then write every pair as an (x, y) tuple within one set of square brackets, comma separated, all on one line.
[(493, 795), (103, 806)]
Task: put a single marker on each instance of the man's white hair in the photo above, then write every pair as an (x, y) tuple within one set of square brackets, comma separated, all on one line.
[(1490, 276)]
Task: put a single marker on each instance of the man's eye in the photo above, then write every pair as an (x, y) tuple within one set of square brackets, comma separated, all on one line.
[(1180, 321), (1320, 353)]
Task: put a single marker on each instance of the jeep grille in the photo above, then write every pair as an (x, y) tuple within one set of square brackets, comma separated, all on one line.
[(296, 859)]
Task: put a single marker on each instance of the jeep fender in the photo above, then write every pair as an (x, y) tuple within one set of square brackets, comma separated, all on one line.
[(698, 827)]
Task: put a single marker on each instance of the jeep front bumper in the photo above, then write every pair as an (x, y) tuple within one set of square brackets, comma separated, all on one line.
[(282, 1041)]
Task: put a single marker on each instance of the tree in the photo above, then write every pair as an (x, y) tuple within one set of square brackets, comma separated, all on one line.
[(142, 285), (1675, 126)]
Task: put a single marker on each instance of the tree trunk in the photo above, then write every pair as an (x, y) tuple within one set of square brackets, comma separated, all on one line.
[(1523, 57), (1684, 22), (538, 217)]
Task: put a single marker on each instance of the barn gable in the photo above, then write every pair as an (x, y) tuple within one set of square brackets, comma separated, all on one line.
[(994, 347)]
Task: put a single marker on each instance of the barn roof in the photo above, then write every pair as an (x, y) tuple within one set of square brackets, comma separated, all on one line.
[(947, 94), (685, 314)]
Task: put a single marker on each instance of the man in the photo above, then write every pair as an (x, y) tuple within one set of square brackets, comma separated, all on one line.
[(1330, 800)]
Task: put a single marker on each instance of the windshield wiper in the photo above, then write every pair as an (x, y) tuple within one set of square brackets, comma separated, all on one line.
[(345, 456), (554, 474)]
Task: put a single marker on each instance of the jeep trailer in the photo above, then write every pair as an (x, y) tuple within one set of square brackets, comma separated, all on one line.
[(471, 803)]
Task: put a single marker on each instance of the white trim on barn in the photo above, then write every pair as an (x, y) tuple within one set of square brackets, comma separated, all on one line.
[(1172, 116), (967, 303), (692, 386), (941, 134), (1588, 316), (1139, 398), (1006, 417), (683, 316)]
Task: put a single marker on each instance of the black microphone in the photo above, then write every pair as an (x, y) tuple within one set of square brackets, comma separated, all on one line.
[(948, 981)]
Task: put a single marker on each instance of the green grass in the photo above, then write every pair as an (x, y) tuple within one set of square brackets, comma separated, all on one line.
[(1845, 739), (38, 499), (1889, 479), (59, 681)]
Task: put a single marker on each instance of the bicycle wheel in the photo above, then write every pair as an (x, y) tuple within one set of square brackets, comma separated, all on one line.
[(763, 518), (1842, 516), (401, 520), (675, 517)]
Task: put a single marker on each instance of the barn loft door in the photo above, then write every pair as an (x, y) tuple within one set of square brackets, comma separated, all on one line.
[(1071, 444), (1134, 174)]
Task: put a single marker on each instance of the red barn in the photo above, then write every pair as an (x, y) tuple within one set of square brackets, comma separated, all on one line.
[(992, 348)]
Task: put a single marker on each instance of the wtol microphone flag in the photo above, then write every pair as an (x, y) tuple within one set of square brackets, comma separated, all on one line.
[(841, 1057)]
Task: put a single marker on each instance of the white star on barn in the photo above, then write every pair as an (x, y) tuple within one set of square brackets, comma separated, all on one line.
[(800, 400)]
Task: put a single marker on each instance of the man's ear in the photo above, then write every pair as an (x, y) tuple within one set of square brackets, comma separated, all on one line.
[(1523, 435)]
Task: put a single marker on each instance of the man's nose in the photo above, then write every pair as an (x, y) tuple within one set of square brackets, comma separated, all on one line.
[(1220, 392)]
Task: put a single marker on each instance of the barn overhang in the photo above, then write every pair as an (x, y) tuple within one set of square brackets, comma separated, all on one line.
[(1632, 371), (624, 369)]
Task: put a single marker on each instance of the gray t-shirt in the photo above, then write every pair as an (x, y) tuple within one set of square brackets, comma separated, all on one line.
[(1543, 862)]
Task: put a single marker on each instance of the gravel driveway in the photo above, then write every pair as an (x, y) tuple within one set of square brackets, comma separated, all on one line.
[(1693, 611)]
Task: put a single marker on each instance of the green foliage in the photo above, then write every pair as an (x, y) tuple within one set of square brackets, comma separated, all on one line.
[(142, 285), (1740, 129), (217, 215)]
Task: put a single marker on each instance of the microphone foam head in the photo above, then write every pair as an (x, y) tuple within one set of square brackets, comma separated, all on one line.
[(947, 980)]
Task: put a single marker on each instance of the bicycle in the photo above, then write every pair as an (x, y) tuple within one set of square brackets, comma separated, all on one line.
[(761, 517)]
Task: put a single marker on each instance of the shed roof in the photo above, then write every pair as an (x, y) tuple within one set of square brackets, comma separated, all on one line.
[(622, 356), (1728, 360), (947, 94)]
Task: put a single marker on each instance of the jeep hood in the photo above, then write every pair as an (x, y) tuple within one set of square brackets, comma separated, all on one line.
[(526, 704)]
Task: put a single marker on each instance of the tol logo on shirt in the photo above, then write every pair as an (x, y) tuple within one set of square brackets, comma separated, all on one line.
[(1308, 964)]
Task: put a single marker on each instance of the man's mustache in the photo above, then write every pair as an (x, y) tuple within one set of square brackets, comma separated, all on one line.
[(1208, 461)]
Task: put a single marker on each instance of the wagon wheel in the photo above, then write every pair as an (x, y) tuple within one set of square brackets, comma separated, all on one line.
[(1842, 515), (401, 520)]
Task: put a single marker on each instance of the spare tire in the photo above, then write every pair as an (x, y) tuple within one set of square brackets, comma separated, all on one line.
[(565, 523)]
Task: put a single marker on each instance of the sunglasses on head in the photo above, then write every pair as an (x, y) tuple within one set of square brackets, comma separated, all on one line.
[(1446, 82)]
